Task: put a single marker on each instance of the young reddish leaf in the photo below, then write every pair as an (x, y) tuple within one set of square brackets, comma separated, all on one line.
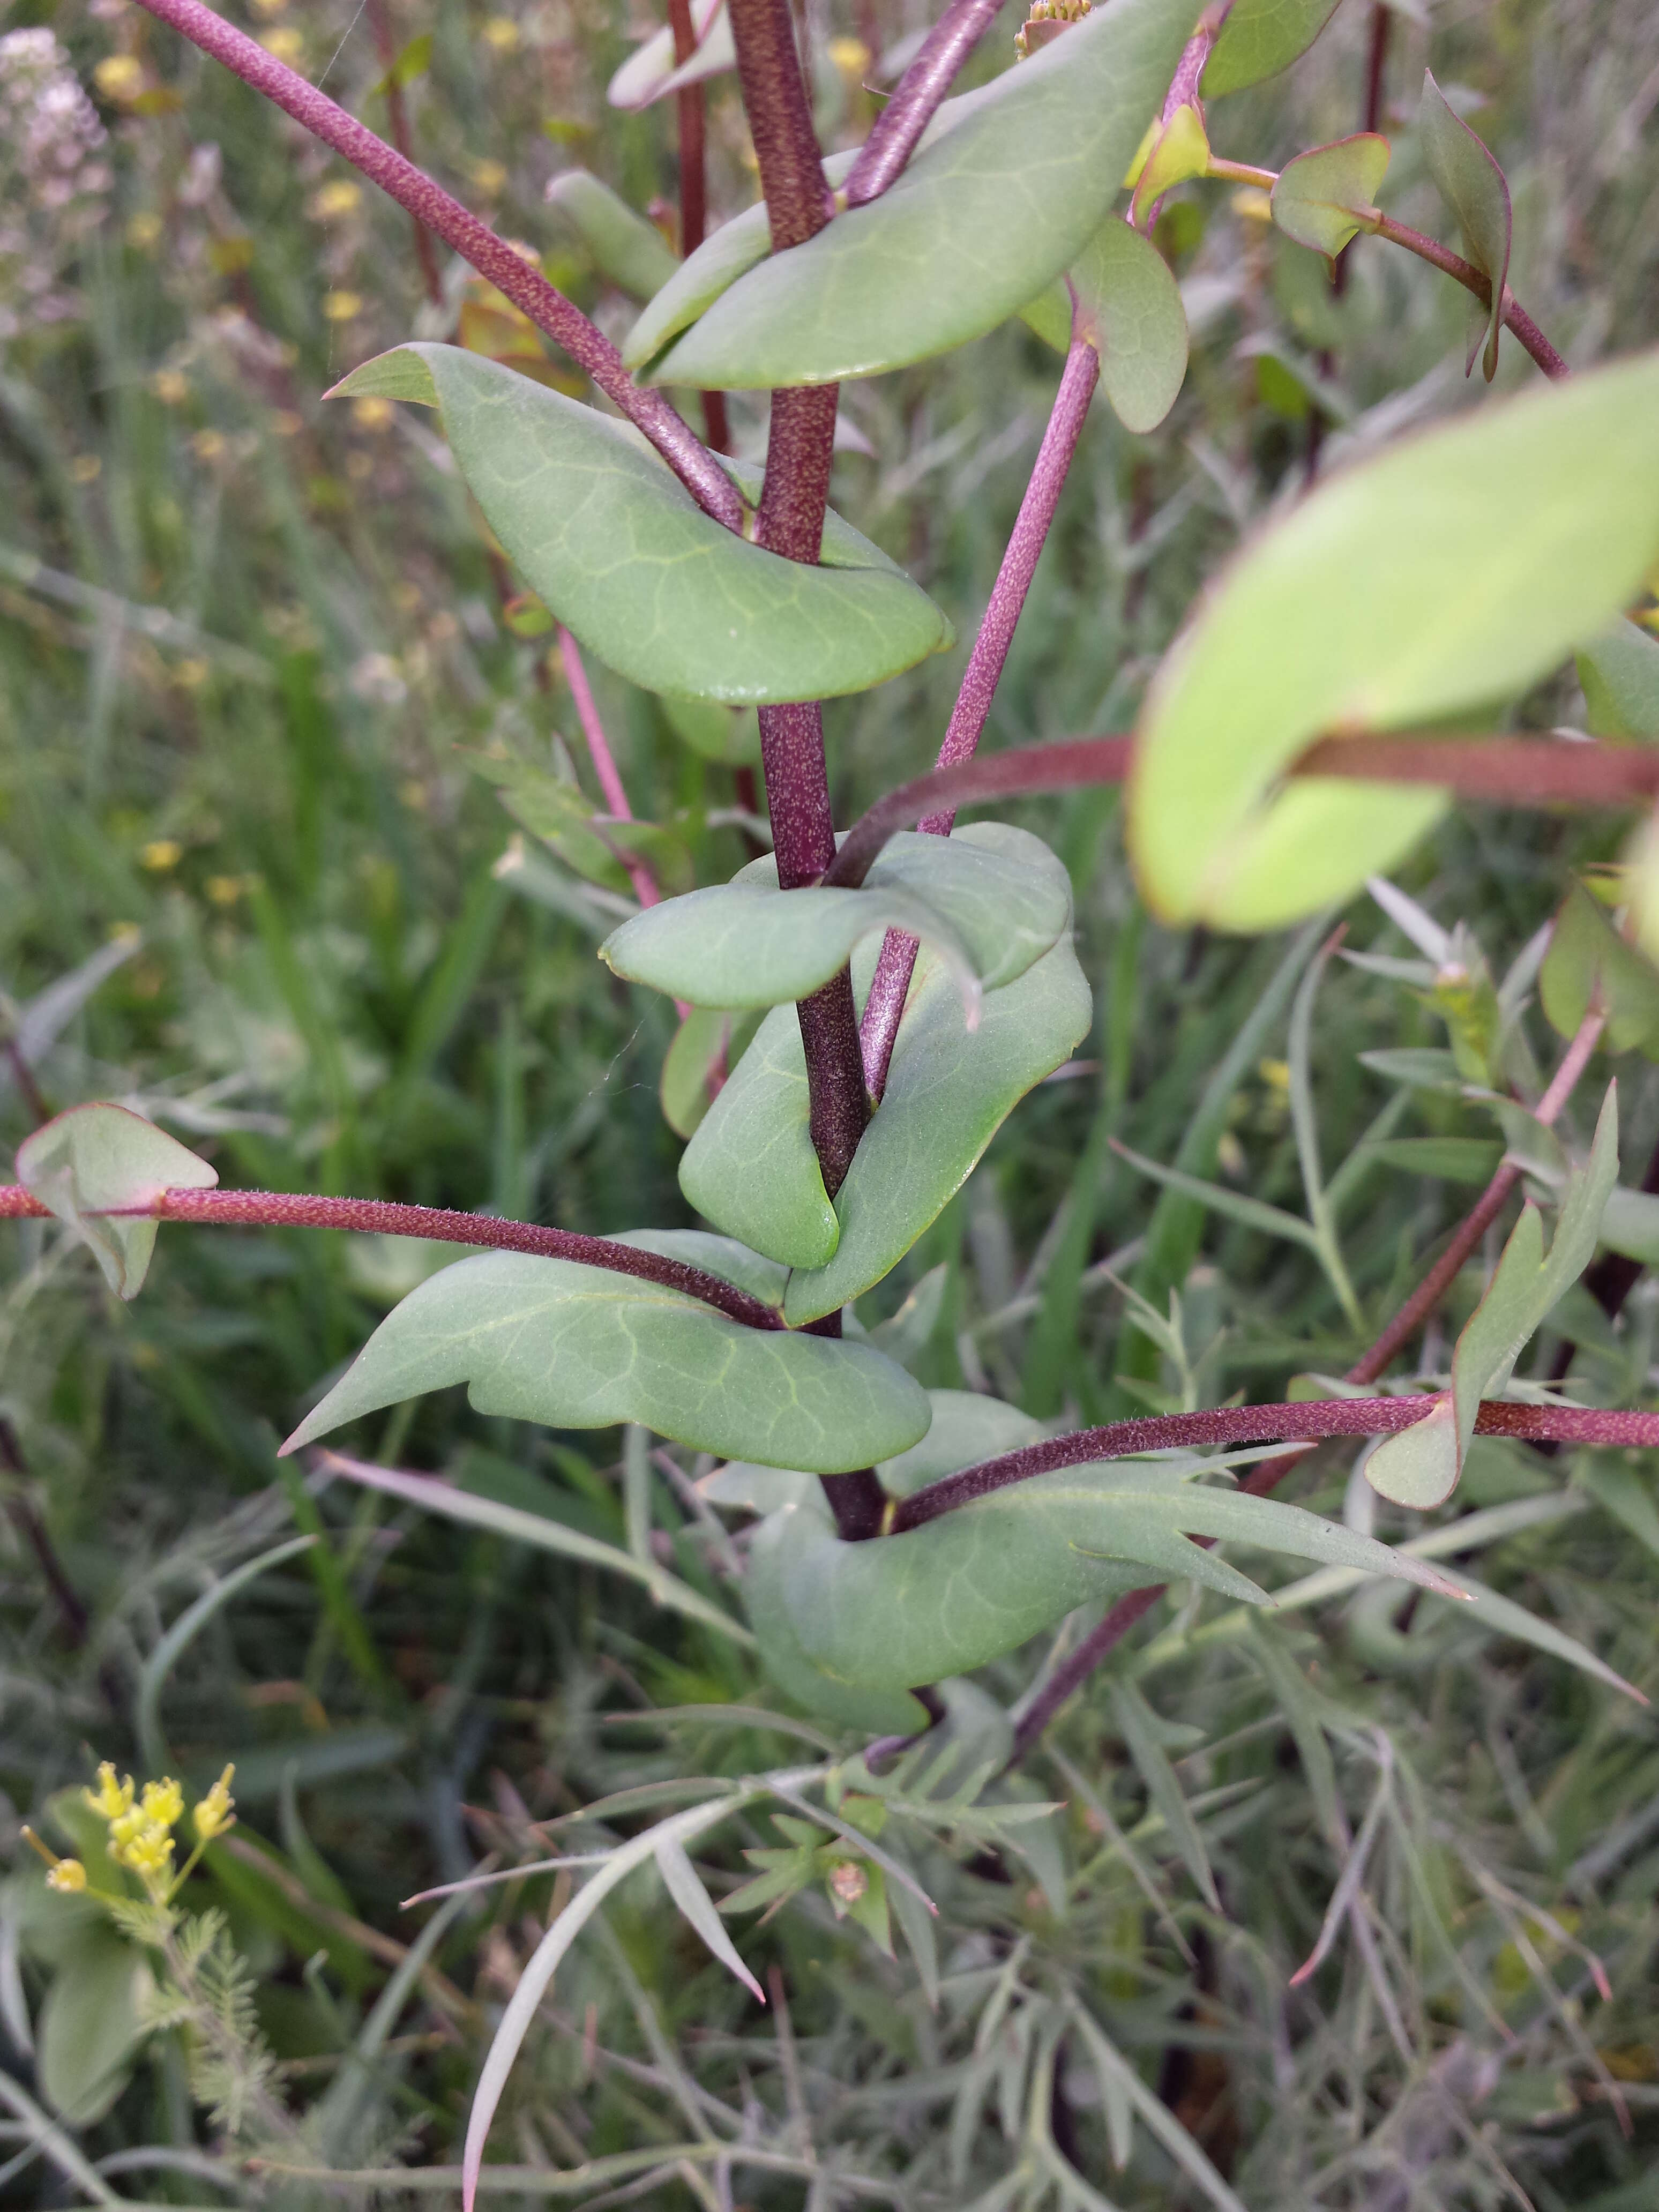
[(1323, 197), (1475, 189)]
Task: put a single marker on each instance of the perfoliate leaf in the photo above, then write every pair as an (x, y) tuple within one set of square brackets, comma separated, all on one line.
[(766, 1594), (1322, 197), (988, 898), (1589, 962), (627, 251), (1132, 306), (1620, 673), (616, 546), (1455, 569), (579, 1347), (962, 1590), (100, 1155), (1474, 188), (967, 1428), (1262, 37), (721, 733), (708, 1045), (1421, 1465), (651, 74), (1180, 152), (978, 224)]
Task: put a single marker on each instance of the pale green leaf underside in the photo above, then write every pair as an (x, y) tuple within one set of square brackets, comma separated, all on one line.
[(750, 1167), (579, 1347), (985, 897), (976, 1583), (967, 1427), (627, 251), (1420, 1467), (978, 224), (1473, 187), (1458, 568), (1319, 195), (1130, 300), (92, 2026), (1261, 38), (98, 1155), (649, 73), (616, 546), (1620, 673)]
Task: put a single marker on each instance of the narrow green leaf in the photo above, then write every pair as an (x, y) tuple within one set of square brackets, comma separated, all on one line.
[(92, 2026), (1623, 1493), (991, 900), (1453, 1159), (152, 1678), (1458, 568), (1620, 673), (1589, 962), (579, 1347), (1475, 189), (976, 1583), (949, 1090), (1139, 1730), (1262, 37), (99, 1155), (617, 548), (1322, 197), (978, 224), (1421, 1465), (650, 74), (680, 1880), (1235, 1204), (628, 251), (707, 1044)]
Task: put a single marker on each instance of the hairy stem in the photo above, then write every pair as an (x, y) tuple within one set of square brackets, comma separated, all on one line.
[(492, 256), (375, 1217), (396, 112), (1134, 1604), (1514, 316), (694, 188), (1236, 1427), (917, 96), (892, 981)]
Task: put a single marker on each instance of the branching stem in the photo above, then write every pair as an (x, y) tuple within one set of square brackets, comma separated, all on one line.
[(492, 256), (917, 96)]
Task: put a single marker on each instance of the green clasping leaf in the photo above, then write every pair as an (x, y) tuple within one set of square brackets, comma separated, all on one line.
[(1262, 37), (628, 252), (617, 548), (1620, 673), (1457, 569), (978, 224), (750, 1168), (974, 1583), (1590, 962), (579, 1347), (988, 898), (1321, 197), (1180, 152), (96, 1157), (1421, 1465), (1475, 189), (1130, 306), (707, 1044)]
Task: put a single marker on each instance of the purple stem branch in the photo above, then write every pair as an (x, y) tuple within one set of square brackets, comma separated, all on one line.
[(916, 97), (1514, 316), (604, 764), (397, 113), (1236, 1427), (375, 1217), (492, 256), (892, 981)]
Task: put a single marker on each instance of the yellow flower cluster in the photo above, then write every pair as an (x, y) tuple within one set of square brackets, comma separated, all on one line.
[(141, 1827)]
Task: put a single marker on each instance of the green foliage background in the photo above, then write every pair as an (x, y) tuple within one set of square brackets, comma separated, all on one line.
[(332, 987)]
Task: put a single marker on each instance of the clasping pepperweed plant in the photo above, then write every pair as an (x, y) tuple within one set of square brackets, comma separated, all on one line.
[(864, 1005)]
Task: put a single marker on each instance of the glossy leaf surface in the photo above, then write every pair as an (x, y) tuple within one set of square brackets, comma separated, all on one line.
[(976, 225), (1474, 188), (976, 1583), (1456, 569), (988, 898), (1620, 673), (581, 1347), (627, 251), (1320, 196), (1421, 1465), (98, 1155), (1262, 37), (618, 549)]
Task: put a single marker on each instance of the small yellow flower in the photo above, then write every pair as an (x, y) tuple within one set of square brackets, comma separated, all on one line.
[(125, 1829), (114, 1798), (371, 414), (119, 76), (69, 1876), (163, 1802), (190, 675), (340, 306), (149, 1854), (490, 178), (85, 469), (160, 854), (208, 445), (171, 386), (286, 44), (332, 201), (212, 1814), (225, 891), (145, 230), (501, 33), (850, 56)]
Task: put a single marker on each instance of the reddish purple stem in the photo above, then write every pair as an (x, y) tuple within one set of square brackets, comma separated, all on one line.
[(492, 256), (375, 1217), (917, 96), (985, 664)]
